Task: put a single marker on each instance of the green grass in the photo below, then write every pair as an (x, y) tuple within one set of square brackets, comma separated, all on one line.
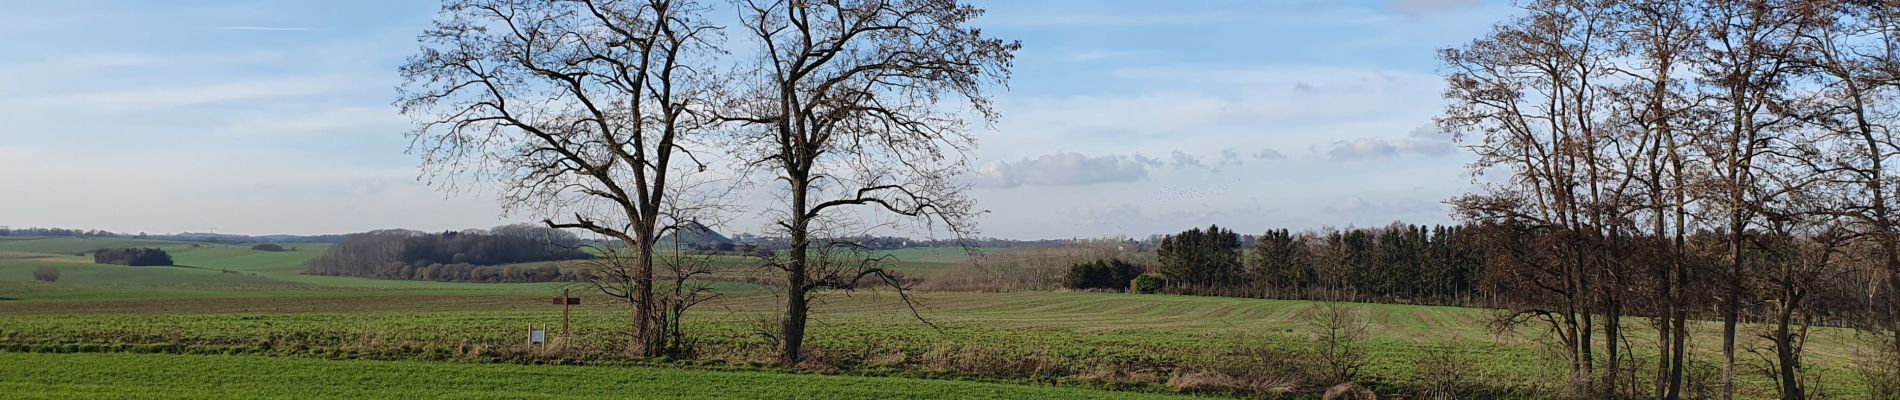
[(1066, 334), (264, 305), (154, 376), (207, 270), (222, 271)]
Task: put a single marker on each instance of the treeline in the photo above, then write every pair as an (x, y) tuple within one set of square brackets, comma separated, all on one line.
[(137, 257), (1539, 271), (464, 256), (1396, 264), (746, 243)]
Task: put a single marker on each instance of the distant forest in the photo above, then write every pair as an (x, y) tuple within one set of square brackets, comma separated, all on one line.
[(1485, 265), (137, 257), (464, 256)]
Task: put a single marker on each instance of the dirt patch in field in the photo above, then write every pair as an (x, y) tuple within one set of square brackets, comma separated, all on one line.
[(4, 256)]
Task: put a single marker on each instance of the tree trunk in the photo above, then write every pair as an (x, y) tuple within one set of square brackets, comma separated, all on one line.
[(1786, 355), (1678, 302), (645, 338), (797, 301), (1786, 349), (1612, 330), (1731, 307), (792, 337), (1663, 350), (1679, 326)]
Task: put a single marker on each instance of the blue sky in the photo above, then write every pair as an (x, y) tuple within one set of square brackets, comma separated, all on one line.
[(1123, 117)]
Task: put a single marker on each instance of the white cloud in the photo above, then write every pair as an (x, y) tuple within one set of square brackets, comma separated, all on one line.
[(239, 193), (186, 96), (261, 124), (1300, 77), (1066, 169), (1229, 131), (1422, 141), (1356, 205)]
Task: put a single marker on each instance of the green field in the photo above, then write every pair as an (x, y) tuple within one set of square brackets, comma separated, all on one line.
[(150, 376), (1138, 343)]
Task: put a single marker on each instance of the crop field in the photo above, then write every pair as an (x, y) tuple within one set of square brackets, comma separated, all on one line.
[(234, 301), (153, 376)]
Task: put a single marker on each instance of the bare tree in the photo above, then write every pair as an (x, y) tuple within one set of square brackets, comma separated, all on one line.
[(848, 114), (581, 110), (1656, 37), (1531, 91), (1742, 64), (1339, 335), (1850, 60)]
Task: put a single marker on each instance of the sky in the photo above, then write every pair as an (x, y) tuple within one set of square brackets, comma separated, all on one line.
[(1122, 118)]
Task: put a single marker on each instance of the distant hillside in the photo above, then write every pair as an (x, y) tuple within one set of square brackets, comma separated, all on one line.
[(693, 236), (229, 238)]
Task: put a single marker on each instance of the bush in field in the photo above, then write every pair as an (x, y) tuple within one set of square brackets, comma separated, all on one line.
[(271, 247), (1882, 375), (1147, 284), (1339, 344), (46, 274), (137, 257), (1103, 274), (1445, 373)]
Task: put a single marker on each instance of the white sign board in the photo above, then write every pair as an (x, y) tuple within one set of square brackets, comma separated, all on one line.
[(537, 336)]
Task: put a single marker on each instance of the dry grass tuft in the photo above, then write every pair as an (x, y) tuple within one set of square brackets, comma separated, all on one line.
[(1348, 391)]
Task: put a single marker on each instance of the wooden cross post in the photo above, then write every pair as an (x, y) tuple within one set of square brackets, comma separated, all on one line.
[(564, 306), (566, 301)]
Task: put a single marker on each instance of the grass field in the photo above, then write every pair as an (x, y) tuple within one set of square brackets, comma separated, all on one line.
[(1134, 342), (153, 376), (220, 270)]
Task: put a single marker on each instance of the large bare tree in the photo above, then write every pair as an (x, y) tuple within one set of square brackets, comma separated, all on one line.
[(1532, 90), (851, 112), (1655, 38), (1850, 59), (580, 110), (1743, 65)]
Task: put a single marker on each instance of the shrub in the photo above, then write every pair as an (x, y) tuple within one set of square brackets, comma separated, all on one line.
[(1147, 284), (46, 274), (1102, 274), (272, 247), (1445, 373), (1339, 342), (1882, 375), (136, 257)]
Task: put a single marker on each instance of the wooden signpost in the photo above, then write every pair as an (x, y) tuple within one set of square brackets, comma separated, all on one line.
[(565, 301)]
